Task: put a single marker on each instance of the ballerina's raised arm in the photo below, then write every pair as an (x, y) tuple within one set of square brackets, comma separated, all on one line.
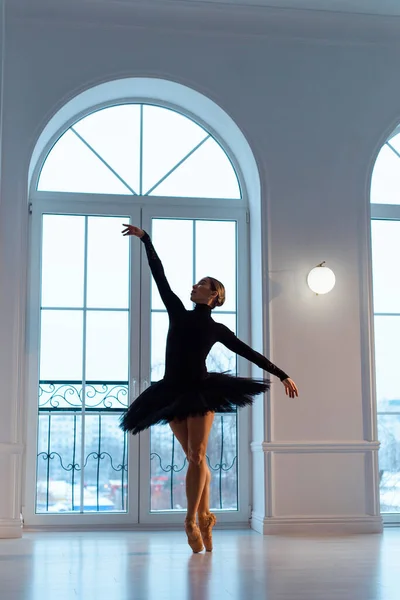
[(172, 303)]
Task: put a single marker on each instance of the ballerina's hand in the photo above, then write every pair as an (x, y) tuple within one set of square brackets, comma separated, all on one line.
[(290, 387), (132, 230)]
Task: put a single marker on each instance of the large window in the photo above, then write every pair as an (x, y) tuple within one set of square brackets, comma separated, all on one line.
[(99, 330), (385, 198)]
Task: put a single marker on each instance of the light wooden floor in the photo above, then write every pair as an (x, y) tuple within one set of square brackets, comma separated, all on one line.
[(160, 566)]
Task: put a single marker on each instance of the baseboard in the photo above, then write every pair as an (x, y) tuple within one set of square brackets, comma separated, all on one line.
[(315, 447), (10, 528), (138, 527), (327, 525)]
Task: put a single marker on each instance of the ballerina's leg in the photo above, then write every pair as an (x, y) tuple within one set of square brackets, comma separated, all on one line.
[(180, 430)]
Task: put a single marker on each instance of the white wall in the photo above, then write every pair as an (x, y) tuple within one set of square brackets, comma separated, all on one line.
[(314, 113)]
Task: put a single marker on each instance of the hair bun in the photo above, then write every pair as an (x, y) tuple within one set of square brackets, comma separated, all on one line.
[(218, 287)]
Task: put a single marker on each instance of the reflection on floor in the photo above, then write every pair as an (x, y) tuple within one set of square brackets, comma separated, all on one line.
[(159, 566)]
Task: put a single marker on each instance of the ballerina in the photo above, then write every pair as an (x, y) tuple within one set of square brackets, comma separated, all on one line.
[(188, 396)]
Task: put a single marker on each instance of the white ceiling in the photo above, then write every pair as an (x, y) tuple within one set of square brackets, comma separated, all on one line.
[(372, 7)]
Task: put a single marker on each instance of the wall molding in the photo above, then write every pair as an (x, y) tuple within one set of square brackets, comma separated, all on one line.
[(315, 447), (10, 448), (10, 528), (337, 525)]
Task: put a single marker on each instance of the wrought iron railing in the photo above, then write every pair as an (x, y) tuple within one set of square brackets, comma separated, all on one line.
[(93, 463), (61, 408), (221, 459), (69, 394)]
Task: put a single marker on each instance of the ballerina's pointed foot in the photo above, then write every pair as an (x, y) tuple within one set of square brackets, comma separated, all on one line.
[(206, 523), (194, 536)]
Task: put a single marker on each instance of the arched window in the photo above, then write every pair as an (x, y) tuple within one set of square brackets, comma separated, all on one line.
[(385, 182), (139, 149), (385, 211), (98, 324)]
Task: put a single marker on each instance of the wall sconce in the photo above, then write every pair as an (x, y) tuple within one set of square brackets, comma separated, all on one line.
[(321, 280)]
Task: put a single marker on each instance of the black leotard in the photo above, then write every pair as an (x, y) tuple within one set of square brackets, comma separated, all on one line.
[(192, 333)]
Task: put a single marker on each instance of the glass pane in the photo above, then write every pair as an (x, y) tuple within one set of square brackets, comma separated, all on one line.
[(159, 330), (61, 345), (207, 173), (108, 263), (107, 346), (59, 463), (385, 182), (167, 138), (63, 250), (173, 241), (222, 460), (114, 133), (220, 359), (385, 252), (387, 360), (72, 167), (106, 466), (216, 256), (389, 462), (169, 466)]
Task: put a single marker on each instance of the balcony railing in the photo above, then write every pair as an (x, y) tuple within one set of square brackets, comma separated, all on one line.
[(82, 461)]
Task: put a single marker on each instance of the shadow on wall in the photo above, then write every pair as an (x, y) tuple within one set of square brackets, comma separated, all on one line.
[(275, 289)]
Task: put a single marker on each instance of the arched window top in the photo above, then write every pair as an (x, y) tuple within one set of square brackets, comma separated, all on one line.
[(139, 149), (385, 182)]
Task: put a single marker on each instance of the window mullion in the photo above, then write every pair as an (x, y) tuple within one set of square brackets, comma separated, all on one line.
[(385, 211), (141, 152), (83, 399)]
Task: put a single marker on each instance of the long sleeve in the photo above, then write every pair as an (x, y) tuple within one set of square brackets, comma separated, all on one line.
[(171, 300), (229, 339)]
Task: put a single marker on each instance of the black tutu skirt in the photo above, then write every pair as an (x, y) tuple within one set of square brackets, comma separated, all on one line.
[(167, 401)]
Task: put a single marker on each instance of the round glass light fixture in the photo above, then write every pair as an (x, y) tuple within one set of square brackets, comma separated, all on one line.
[(321, 279)]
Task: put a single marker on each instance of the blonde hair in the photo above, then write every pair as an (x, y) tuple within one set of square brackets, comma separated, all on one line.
[(217, 286)]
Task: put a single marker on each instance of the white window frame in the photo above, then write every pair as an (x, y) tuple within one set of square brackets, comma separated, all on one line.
[(79, 206), (83, 203), (68, 203), (385, 212), (241, 515)]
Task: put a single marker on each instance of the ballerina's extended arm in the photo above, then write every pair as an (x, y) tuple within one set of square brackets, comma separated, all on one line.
[(172, 303), (229, 339)]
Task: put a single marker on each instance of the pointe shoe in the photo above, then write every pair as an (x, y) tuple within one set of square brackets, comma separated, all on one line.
[(194, 536), (206, 523)]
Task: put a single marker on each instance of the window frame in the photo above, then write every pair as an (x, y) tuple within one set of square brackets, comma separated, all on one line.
[(383, 212), (49, 201), (33, 188)]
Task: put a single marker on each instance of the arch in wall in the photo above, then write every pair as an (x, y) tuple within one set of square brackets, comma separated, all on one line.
[(205, 112), (177, 96)]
